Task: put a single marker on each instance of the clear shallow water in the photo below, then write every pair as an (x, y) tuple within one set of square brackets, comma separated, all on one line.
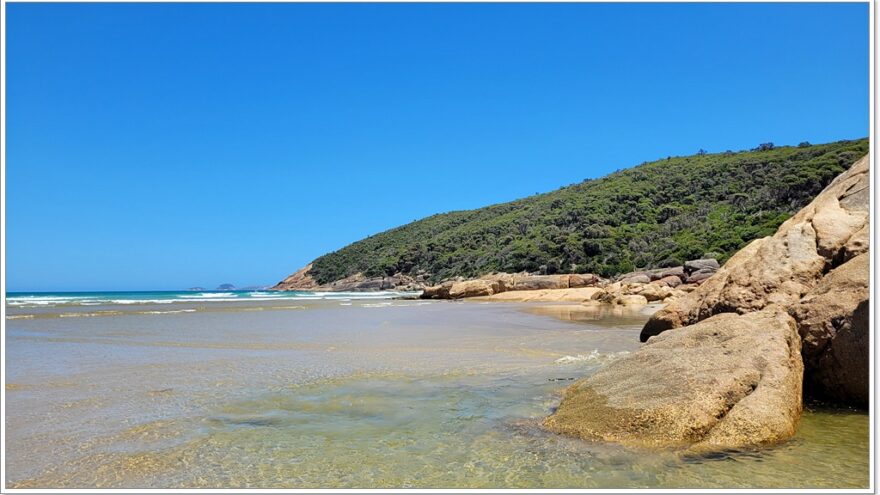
[(350, 393)]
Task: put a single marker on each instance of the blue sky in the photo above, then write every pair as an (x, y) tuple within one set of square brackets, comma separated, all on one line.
[(161, 146)]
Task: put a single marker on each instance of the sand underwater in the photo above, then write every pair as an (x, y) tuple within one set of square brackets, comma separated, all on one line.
[(246, 391)]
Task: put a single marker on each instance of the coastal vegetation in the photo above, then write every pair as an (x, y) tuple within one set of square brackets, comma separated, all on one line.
[(654, 215)]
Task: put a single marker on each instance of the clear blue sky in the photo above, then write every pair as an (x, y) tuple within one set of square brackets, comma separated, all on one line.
[(161, 146)]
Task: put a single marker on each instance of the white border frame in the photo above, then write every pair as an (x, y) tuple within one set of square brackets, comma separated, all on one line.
[(872, 156)]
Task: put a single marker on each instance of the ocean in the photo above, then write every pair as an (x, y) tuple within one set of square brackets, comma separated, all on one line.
[(257, 389)]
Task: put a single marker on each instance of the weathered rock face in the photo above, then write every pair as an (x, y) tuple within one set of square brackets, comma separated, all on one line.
[(300, 280), (582, 280), (539, 282), (636, 279), (671, 281), (699, 276), (653, 291), (804, 268), (473, 288), (578, 294), (631, 300), (360, 283), (694, 271), (730, 381), (709, 264), (833, 323), (503, 282), (677, 271), (437, 292)]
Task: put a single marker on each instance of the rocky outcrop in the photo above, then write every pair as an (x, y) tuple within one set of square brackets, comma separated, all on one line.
[(730, 381), (640, 278), (816, 267), (671, 281), (303, 280), (693, 272), (495, 283), (300, 280), (474, 288), (708, 264), (437, 291), (578, 294)]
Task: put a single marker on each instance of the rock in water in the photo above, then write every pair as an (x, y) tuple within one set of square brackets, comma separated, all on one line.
[(437, 292), (730, 381), (801, 267)]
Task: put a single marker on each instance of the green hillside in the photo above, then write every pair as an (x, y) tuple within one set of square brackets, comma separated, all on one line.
[(656, 214)]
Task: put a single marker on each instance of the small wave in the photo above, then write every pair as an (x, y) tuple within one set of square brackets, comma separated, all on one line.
[(18, 317), (266, 294), (141, 301), (593, 357), (376, 305), (169, 312), (206, 295), (97, 313)]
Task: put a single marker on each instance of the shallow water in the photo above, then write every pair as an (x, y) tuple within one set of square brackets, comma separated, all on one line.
[(357, 393)]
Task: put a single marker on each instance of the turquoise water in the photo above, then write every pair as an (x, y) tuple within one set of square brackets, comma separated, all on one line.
[(349, 393), (52, 299)]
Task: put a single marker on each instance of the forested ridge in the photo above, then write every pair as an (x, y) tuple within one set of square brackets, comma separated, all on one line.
[(657, 214)]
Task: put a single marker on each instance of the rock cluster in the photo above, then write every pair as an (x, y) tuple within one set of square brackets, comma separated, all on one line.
[(643, 287), (817, 267), (497, 283), (785, 316)]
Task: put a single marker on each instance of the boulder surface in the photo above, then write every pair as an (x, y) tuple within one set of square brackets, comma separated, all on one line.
[(816, 267), (730, 381)]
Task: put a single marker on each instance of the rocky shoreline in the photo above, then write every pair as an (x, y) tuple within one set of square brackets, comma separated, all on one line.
[(734, 350), (663, 285), (728, 364)]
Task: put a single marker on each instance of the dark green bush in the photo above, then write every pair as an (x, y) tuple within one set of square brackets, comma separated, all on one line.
[(657, 214)]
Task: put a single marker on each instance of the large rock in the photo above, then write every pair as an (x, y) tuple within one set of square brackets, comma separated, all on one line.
[(699, 275), (701, 264), (833, 323), (437, 292), (299, 280), (654, 291), (730, 381), (631, 300), (636, 279), (582, 280), (670, 280), (361, 283), (302, 280), (473, 288), (539, 282), (580, 294), (675, 271), (786, 269)]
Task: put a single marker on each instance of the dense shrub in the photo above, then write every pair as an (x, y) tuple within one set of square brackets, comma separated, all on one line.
[(657, 214)]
